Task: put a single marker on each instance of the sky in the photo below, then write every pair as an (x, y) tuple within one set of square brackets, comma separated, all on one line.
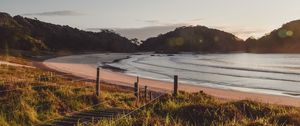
[(148, 18)]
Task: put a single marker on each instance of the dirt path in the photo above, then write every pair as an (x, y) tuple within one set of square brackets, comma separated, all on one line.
[(14, 64)]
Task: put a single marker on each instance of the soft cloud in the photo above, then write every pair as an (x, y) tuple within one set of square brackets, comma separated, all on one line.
[(154, 22), (197, 19), (55, 13), (151, 21)]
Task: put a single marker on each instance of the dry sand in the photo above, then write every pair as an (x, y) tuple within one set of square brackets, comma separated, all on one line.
[(85, 66)]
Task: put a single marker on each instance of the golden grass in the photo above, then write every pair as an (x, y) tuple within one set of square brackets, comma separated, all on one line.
[(15, 59), (29, 96), (199, 109)]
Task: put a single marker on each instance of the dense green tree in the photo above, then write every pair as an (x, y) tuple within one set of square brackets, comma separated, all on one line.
[(282, 40), (194, 39), (34, 35)]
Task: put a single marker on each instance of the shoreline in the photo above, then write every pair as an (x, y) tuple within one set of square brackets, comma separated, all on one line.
[(87, 71)]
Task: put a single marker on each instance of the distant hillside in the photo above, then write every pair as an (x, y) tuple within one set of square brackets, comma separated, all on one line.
[(27, 34), (194, 39), (34, 35), (283, 40)]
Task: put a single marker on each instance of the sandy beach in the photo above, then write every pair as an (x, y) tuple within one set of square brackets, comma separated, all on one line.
[(85, 66)]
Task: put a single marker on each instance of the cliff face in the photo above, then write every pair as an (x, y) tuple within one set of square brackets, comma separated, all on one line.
[(194, 39), (283, 40), (34, 35)]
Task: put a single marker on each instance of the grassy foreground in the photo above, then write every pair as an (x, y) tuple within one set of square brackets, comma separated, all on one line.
[(199, 109), (31, 96), (15, 59)]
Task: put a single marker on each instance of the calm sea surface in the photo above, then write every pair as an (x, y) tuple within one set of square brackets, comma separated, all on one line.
[(277, 74)]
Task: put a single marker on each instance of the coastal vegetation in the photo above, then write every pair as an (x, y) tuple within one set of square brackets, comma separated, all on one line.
[(285, 39), (23, 33), (194, 39), (200, 109), (31, 96)]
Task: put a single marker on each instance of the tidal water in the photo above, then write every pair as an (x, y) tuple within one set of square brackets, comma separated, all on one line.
[(276, 74)]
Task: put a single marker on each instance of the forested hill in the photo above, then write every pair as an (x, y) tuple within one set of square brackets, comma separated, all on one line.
[(283, 40), (33, 35), (194, 39), (21, 33)]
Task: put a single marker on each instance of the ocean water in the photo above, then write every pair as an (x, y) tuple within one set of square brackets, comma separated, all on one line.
[(276, 74)]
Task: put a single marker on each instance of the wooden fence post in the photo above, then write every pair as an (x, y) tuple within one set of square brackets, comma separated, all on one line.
[(175, 85), (98, 82), (150, 95), (145, 92), (136, 90)]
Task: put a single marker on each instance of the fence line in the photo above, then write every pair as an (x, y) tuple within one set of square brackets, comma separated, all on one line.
[(45, 78), (140, 108), (88, 108)]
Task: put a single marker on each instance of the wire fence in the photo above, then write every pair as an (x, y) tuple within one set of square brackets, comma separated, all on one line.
[(47, 80), (101, 103), (140, 108)]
